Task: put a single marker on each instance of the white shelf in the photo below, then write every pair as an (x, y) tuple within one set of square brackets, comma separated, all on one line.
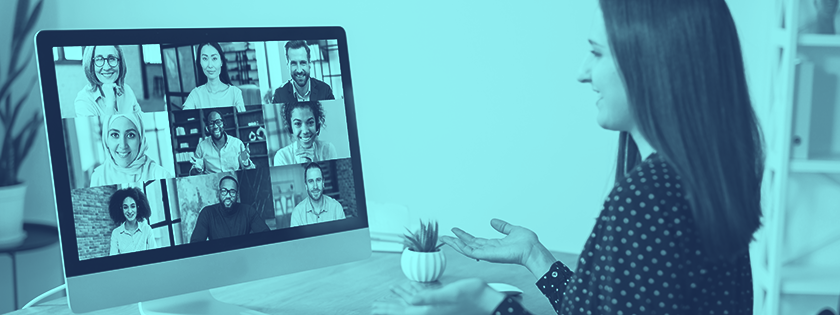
[(819, 40), (815, 166), (811, 280)]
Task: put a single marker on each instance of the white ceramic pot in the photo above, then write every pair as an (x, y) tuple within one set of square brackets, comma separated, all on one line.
[(11, 215), (423, 267)]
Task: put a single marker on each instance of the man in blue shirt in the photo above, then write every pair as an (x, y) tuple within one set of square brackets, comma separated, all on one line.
[(317, 207), (220, 152)]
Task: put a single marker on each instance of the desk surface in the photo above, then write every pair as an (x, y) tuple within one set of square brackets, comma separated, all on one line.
[(349, 288)]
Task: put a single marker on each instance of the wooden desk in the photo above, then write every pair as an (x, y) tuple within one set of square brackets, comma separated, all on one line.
[(349, 288)]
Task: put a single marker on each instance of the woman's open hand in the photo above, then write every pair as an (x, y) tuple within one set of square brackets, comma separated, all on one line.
[(519, 246)]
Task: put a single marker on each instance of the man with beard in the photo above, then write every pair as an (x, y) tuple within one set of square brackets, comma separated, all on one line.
[(301, 88), (220, 152), (317, 207), (228, 217)]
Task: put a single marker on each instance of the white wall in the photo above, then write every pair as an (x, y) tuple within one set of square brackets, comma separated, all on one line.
[(475, 131)]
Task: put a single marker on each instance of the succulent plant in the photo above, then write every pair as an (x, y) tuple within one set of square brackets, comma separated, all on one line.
[(425, 240)]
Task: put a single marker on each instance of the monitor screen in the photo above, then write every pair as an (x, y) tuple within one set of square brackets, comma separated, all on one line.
[(174, 144)]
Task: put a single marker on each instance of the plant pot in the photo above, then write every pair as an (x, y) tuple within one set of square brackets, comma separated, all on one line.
[(11, 215), (423, 267)]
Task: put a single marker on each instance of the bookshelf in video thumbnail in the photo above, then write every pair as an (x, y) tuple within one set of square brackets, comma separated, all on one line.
[(190, 127)]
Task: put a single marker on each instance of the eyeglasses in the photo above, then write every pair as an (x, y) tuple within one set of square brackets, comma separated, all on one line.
[(229, 192), (218, 122), (112, 61)]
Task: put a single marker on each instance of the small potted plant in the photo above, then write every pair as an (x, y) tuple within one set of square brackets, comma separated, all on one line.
[(422, 260)]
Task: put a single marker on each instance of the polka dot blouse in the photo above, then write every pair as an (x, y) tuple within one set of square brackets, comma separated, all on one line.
[(644, 257)]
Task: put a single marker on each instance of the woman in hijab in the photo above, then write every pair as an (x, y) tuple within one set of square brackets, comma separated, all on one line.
[(125, 144)]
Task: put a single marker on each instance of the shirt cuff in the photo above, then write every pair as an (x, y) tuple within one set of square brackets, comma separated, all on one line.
[(509, 307), (550, 283)]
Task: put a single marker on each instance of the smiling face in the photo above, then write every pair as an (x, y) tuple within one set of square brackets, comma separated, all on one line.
[(216, 125), (106, 73), (211, 62), (601, 71), (299, 65), (227, 192), (123, 141), (314, 183), (304, 128), (129, 207)]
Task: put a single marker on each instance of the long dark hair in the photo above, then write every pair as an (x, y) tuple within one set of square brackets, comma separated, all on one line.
[(223, 76), (115, 205), (681, 63)]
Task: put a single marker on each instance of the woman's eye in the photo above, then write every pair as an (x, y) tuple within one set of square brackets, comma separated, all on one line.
[(115, 135), (595, 53), (131, 135)]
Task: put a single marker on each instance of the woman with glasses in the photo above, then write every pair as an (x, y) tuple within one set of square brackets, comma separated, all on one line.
[(130, 211), (125, 145), (106, 92), (214, 87)]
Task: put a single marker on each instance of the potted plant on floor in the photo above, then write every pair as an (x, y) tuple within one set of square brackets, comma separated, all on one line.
[(15, 142), (422, 260)]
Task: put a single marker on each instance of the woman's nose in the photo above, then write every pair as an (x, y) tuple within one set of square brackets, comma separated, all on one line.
[(584, 72)]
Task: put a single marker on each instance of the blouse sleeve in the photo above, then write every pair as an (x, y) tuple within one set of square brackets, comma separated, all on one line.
[(552, 285), (510, 307), (191, 99), (238, 100), (114, 246), (84, 105)]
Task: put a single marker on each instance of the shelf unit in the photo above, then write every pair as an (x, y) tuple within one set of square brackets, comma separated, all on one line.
[(238, 124), (803, 166), (242, 63)]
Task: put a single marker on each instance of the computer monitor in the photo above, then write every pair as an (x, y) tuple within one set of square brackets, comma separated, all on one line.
[(189, 159)]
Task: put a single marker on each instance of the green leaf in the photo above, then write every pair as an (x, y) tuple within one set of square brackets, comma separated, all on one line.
[(33, 17), (20, 15), (9, 81)]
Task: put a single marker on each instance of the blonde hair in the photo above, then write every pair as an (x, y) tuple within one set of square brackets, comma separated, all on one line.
[(90, 73)]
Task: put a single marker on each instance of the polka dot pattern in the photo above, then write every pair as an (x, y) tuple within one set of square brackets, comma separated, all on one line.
[(644, 257)]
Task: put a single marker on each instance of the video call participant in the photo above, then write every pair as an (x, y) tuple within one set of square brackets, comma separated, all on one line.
[(214, 88), (317, 207), (301, 87), (106, 92), (125, 144), (220, 152), (228, 217), (303, 121), (129, 209)]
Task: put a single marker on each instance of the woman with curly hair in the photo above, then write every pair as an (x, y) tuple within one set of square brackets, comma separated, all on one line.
[(303, 121), (130, 211)]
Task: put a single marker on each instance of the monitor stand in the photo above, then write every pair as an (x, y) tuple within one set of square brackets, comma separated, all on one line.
[(201, 302)]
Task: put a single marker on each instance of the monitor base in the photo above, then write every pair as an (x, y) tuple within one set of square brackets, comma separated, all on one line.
[(201, 302)]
